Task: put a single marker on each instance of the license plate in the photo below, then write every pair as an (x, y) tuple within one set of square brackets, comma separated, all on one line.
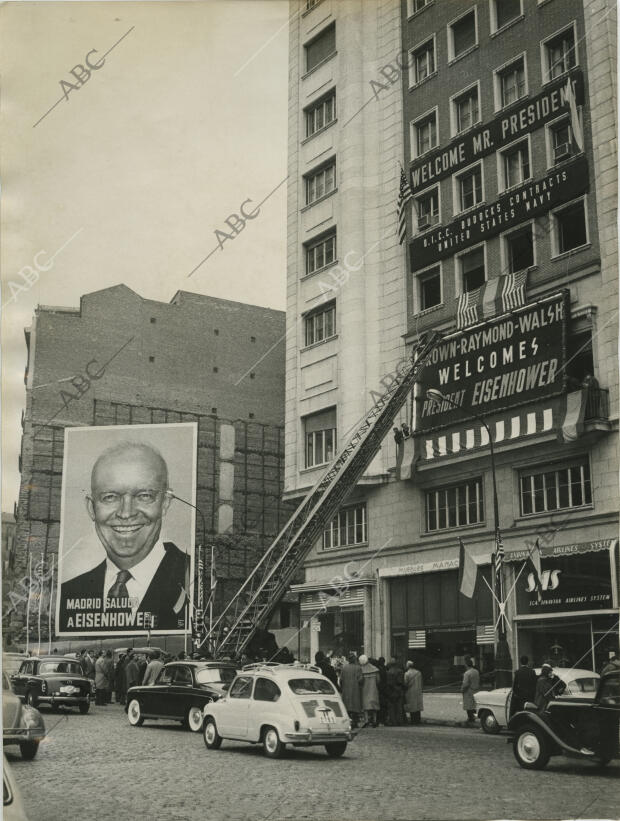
[(327, 716), (69, 690)]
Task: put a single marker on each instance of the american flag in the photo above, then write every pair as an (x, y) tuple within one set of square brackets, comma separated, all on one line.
[(404, 196), (513, 291), (499, 553), (467, 308)]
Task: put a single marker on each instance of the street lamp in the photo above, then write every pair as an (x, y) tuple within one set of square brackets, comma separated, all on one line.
[(503, 661)]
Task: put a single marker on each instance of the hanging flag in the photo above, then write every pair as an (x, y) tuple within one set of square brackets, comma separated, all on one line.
[(467, 308), (181, 601), (573, 424), (513, 291), (533, 566), (497, 296), (468, 572), (404, 196), (499, 553), (574, 115)]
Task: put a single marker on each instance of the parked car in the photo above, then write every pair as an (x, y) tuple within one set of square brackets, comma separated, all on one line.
[(181, 691), (278, 704), (11, 662), (54, 680), (21, 724), (574, 726), (494, 705), (13, 805)]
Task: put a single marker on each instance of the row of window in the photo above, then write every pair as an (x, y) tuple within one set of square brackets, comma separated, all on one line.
[(569, 231), (558, 52), (514, 168), (541, 491)]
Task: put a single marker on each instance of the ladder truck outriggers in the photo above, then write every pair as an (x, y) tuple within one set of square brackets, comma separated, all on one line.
[(252, 606)]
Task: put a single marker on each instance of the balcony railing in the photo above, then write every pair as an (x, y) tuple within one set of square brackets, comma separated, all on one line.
[(597, 403)]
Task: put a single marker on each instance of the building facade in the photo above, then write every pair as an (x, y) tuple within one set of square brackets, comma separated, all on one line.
[(121, 360), (504, 120)]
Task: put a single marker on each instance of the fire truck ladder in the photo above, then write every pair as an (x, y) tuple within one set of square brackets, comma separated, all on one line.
[(255, 601)]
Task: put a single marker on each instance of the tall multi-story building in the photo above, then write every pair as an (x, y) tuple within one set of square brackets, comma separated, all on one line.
[(502, 114), (120, 359)]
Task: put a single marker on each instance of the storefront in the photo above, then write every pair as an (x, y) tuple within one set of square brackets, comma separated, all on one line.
[(571, 616), (433, 623)]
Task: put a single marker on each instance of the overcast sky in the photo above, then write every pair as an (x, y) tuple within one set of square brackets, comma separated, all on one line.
[(129, 176)]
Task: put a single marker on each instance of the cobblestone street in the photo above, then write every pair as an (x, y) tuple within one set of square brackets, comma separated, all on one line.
[(99, 766)]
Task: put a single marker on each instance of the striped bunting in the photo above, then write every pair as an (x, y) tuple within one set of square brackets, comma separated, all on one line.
[(467, 308), (497, 296), (404, 196)]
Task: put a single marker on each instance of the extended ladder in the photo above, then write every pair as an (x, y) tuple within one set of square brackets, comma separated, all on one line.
[(255, 601)]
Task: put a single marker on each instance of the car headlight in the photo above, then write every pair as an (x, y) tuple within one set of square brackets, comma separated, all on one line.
[(30, 717)]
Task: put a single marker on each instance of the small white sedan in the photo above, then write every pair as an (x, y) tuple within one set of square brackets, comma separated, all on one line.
[(278, 704), (494, 705)]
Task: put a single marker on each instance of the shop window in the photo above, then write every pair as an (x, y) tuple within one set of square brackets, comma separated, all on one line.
[(519, 248), (320, 437), (422, 62), (514, 165), (569, 228), (427, 209), (504, 12), (321, 325), (321, 114), (510, 83), (429, 288), (347, 528), (322, 47), (321, 183), (469, 188), (546, 490), (559, 54), (320, 253), (454, 506), (425, 133), (472, 270), (465, 110), (462, 35)]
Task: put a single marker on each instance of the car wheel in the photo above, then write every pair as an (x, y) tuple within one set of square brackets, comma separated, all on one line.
[(31, 699), (134, 713), (272, 745), (213, 740), (488, 722), (194, 719), (336, 748), (84, 707), (531, 749), (29, 749)]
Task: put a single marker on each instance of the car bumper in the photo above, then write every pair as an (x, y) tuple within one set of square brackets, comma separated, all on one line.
[(21, 734), (58, 699), (307, 738)]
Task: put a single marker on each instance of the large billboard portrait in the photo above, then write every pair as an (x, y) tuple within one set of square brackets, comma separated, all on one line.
[(125, 556)]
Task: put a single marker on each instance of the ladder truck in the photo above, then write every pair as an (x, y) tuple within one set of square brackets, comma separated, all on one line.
[(252, 606)]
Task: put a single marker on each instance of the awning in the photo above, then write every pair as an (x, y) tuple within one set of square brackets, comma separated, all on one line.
[(563, 550)]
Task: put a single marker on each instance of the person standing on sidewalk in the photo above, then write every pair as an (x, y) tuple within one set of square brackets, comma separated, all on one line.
[(395, 689), (370, 691), (351, 680), (523, 686), (470, 685), (414, 703)]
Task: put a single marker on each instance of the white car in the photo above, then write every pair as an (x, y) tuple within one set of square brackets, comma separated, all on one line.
[(494, 706), (278, 704)]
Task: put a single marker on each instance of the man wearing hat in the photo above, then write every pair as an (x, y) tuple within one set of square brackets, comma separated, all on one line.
[(548, 687)]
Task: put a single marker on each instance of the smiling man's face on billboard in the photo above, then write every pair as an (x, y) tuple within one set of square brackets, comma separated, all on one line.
[(128, 501)]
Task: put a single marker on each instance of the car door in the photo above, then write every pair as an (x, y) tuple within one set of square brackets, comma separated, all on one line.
[(179, 696), (154, 697), (18, 682), (236, 707), (265, 707)]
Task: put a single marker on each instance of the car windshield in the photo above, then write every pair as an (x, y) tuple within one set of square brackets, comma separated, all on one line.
[(308, 686), (215, 675), (583, 685), (60, 667)]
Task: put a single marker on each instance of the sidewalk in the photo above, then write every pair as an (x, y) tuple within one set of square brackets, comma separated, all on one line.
[(444, 709)]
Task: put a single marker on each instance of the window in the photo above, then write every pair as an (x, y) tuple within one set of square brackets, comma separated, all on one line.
[(320, 435), (266, 690), (425, 133), (546, 489), (241, 688), (183, 677), (321, 114), (514, 165), (454, 506), (414, 6), (321, 324), (561, 139), (310, 4), (311, 686), (427, 209), (510, 83), (348, 527), (320, 253), (469, 188), (580, 362), (519, 248), (569, 227), (466, 110), (422, 62), (321, 183), (429, 285), (472, 269), (462, 35), (559, 54), (322, 47), (504, 12)]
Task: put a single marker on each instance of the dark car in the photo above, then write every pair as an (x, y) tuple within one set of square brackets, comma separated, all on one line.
[(53, 680), (181, 691), (574, 726), (21, 724)]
